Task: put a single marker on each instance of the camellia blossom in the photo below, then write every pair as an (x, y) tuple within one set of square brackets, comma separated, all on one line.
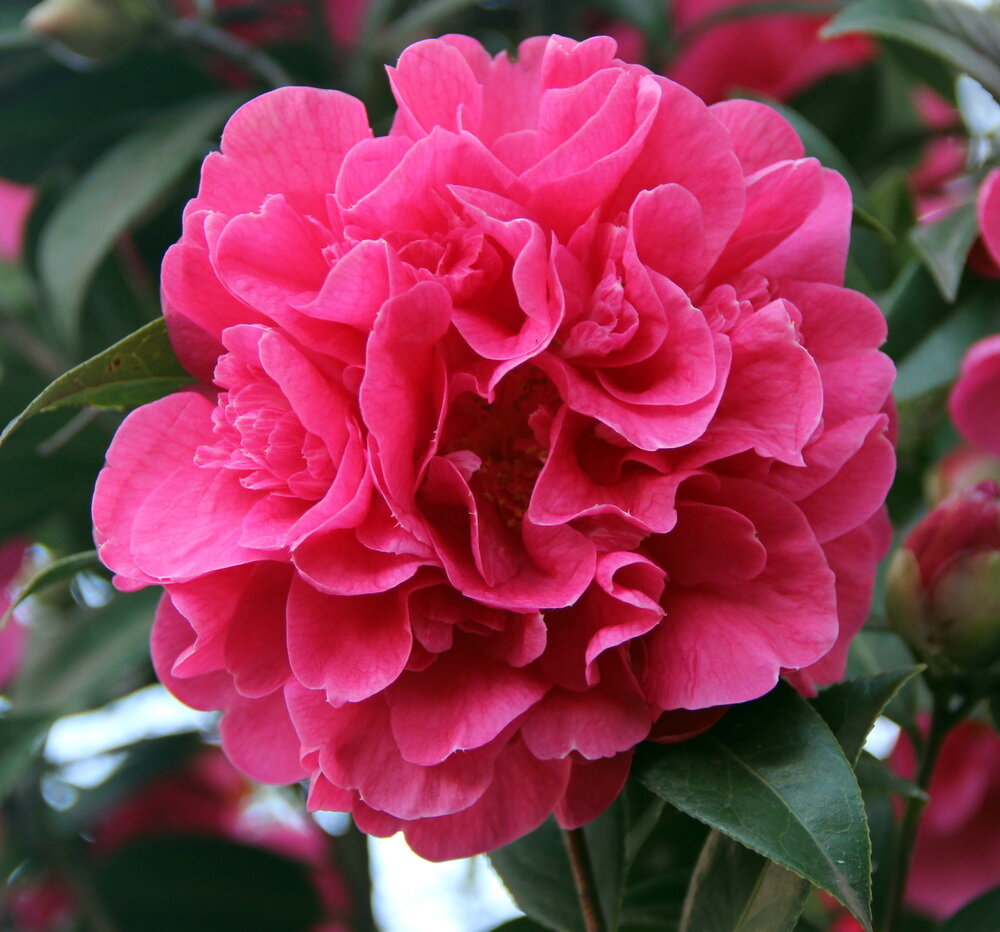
[(537, 418), (975, 399), (778, 54), (957, 853)]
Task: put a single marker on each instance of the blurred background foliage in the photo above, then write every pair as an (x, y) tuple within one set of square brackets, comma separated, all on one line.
[(106, 118)]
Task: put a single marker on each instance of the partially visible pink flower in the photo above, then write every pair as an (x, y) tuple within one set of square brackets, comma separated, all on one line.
[(15, 205), (963, 468), (13, 637), (988, 210), (262, 23), (957, 853), (975, 398), (933, 181), (205, 797), (542, 416), (778, 54), (943, 585), (41, 905)]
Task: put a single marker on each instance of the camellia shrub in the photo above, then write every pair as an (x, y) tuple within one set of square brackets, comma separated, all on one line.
[(505, 446)]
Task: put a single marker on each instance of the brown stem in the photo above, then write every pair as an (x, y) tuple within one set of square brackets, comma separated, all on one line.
[(583, 877)]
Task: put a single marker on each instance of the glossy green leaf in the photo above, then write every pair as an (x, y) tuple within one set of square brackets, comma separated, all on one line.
[(536, 870), (851, 708), (520, 924), (934, 362), (981, 915), (914, 307), (874, 776), (123, 184), (772, 776), (958, 33), (55, 572), (875, 650), (734, 889), (136, 370), (944, 246), (202, 882)]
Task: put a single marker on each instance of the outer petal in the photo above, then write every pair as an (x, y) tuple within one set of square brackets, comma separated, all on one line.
[(523, 792), (783, 617), (135, 510), (256, 160)]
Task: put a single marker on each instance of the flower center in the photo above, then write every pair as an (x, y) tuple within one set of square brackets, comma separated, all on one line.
[(508, 437)]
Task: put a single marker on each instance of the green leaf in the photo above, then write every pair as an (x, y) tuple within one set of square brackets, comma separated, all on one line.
[(114, 193), (203, 882), (875, 650), (851, 708), (536, 870), (20, 740), (85, 661), (734, 889), (914, 307), (521, 924), (53, 573), (874, 776), (944, 245), (964, 37), (934, 362), (136, 370), (979, 916), (772, 776)]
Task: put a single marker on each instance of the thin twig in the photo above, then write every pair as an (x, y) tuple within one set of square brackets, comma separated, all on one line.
[(204, 35), (583, 877)]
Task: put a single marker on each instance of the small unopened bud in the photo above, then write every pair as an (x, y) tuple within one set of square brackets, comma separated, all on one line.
[(963, 468), (96, 29), (943, 587)]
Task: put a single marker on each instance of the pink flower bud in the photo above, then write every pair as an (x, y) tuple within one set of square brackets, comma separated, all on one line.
[(95, 29), (943, 589), (961, 469)]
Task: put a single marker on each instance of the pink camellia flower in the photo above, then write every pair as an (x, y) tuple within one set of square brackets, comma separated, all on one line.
[(539, 417), (778, 54), (13, 637), (957, 854), (975, 398), (936, 182), (15, 204)]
